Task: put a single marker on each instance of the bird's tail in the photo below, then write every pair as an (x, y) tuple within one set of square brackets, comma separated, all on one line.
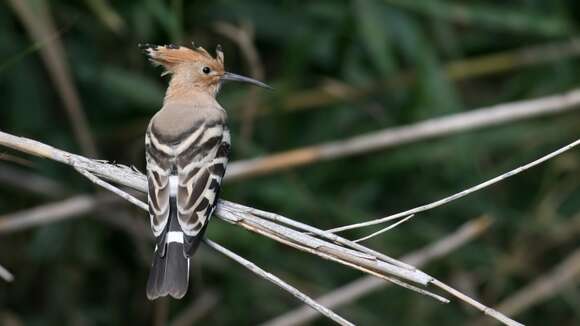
[(170, 268)]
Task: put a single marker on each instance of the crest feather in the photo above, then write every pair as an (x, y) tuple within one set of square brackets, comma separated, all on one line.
[(202, 51), (170, 56), (219, 54)]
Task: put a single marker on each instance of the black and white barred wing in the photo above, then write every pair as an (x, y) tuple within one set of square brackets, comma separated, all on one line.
[(201, 167), (158, 172)]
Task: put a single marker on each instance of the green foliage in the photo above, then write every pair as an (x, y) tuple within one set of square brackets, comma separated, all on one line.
[(87, 271)]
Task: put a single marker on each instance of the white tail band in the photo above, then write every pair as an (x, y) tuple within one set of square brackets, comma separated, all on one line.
[(174, 236)]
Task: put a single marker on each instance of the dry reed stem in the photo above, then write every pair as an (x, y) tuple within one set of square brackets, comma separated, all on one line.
[(391, 137), (365, 285), (332, 91), (460, 194), (49, 213)]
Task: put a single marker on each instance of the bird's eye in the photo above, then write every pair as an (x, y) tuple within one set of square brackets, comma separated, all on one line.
[(206, 70)]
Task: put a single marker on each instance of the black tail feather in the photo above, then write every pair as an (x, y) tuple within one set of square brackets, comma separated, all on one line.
[(169, 274), (170, 268)]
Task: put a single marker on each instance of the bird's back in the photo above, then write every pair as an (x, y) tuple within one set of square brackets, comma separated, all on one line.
[(177, 120)]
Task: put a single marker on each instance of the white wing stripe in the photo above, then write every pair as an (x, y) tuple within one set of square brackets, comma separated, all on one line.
[(159, 146), (189, 140)]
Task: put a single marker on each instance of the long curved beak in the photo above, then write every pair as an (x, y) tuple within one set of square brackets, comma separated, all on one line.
[(238, 78)]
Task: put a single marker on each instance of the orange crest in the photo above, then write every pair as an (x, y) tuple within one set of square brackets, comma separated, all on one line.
[(172, 56)]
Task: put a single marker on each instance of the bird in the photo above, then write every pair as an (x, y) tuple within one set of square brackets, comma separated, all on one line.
[(187, 146)]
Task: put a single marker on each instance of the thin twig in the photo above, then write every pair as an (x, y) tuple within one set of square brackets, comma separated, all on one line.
[(367, 284), (52, 212), (30, 182), (277, 281), (391, 137), (486, 310), (460, 194), (390, 227), (133, 200), (15, 159), (5, 274)]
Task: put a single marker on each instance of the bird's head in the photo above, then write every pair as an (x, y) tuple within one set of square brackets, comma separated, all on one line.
[(194, 68)]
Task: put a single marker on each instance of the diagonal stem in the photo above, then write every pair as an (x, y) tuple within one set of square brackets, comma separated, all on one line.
[(460, 194), (278, 282)]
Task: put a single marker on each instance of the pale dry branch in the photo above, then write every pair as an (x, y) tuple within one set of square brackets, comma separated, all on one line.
[(49, 213), (15, 159), (67, 208), (30, 182), (74, 207), (474, 303), (5, 274), (391, 137), (565, 274), (460, 194), (355, 259), (388, 228), (262, 223), (117, 173), (312, 230), (277, 281), (132, 199), (367, 284), (332, 91)]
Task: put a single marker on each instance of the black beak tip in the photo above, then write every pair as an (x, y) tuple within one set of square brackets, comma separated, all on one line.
[(239, 78)]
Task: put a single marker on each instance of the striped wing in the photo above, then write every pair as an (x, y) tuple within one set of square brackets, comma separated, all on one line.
[(201, 167), (188, 169), (158, 173)]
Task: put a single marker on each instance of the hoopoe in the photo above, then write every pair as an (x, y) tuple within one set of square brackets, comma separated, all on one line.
[(187, 145)]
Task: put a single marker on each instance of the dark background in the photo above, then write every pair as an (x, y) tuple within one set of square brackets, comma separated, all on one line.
[(91, 271)]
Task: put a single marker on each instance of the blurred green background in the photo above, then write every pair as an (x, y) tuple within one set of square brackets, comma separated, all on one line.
[(340, 69)]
